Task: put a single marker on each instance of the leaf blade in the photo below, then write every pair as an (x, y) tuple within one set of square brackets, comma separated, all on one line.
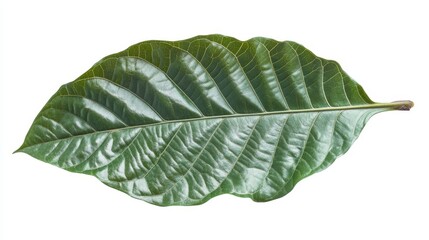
[(177, 123)]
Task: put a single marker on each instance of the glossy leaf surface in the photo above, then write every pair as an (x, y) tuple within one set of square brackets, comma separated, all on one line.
[(177, 123)]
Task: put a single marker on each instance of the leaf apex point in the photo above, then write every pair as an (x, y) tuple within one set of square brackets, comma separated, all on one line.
[(17, 151)]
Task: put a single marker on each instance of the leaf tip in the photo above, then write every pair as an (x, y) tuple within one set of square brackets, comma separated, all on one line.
[(17, 151), (20, 149)]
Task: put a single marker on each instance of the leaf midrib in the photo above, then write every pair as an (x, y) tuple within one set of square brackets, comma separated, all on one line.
[(392, 105)]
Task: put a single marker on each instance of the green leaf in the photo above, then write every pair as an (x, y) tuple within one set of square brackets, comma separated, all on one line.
[(177, 123)]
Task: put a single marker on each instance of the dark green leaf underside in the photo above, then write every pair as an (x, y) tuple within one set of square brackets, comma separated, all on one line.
[(177, 123)]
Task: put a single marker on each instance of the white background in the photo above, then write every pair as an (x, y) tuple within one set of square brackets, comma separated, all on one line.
[(378, 190)]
